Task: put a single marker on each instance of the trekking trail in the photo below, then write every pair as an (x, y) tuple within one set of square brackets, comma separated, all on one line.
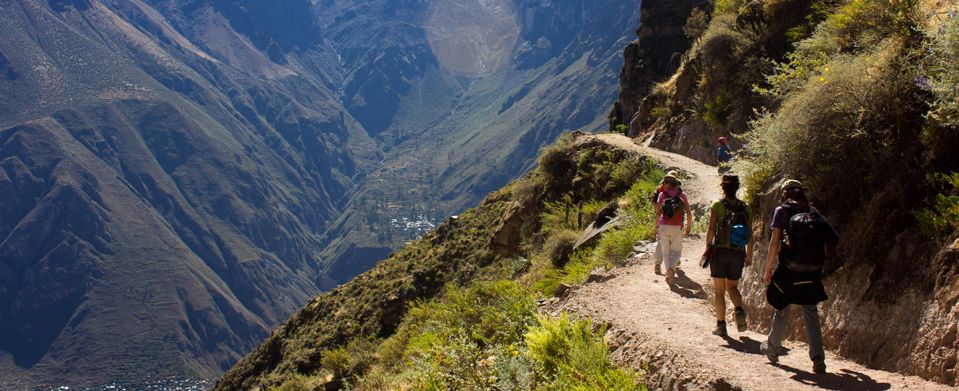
[(667, 332)]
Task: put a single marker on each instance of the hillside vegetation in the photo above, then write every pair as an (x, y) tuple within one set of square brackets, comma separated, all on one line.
[(455, 309)]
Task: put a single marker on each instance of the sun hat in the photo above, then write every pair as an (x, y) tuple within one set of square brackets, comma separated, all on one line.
[(730, 179), (790, 184), (671, 179)]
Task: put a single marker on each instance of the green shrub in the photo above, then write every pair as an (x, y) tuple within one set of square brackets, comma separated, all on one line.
[(565, 215), (638, 198), (557, 165), (581, 263), (864, 23), (486, 313), (616, 244), (726, 6), (349, 360), (717, 110), (662, 111), (548, 279), (943, 78), (625, 173), (696, 24), (487, 336), (571, 356), (300, 383), (838, 125), (559, 246), (527, 191), (942, 218)]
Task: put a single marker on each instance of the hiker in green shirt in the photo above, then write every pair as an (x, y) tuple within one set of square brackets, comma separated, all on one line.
[(729, 250)]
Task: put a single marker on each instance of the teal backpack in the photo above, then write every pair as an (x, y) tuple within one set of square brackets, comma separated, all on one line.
[(734, 228)]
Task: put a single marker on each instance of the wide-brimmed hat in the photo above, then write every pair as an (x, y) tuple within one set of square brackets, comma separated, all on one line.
[(790, 184), (730, 179), (671, 178)]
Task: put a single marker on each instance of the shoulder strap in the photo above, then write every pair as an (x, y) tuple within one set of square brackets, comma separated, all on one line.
[(740, 204)]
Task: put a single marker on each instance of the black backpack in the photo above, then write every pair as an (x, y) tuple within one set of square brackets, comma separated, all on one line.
[(804, 239), (672, 204), (734, 228)]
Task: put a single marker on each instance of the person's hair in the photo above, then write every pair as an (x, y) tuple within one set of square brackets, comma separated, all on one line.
[(795, 194), (730, 189)]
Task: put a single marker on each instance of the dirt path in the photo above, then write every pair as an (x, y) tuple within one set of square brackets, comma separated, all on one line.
[(666, 332)]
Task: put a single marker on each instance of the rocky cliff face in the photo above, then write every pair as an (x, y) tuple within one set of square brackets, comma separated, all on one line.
[(654, 57)]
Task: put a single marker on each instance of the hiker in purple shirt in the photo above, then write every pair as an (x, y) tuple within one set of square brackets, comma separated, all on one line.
[(802, 240)]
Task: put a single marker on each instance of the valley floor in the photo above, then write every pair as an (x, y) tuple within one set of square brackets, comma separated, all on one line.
[(666, 332)]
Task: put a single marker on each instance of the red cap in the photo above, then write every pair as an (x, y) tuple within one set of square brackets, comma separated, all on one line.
[(722, 140)]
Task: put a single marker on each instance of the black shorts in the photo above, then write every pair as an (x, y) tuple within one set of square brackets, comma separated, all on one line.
[(727, 263)]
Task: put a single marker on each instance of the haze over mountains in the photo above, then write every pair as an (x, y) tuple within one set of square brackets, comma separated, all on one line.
[(179, 176)]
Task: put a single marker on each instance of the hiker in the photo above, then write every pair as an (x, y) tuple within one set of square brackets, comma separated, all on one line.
[(658, 252), (730, 250), (670, 206), (802, 240), (723, 155)]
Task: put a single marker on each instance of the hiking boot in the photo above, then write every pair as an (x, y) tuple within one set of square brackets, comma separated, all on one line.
[(720, 329), (658, 269), (740, 319), (771, 354), (670, 277), (819, 366)]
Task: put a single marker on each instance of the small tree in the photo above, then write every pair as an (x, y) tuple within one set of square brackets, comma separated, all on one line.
[(696, 24)]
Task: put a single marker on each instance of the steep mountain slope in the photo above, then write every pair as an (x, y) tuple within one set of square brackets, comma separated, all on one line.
[(160, 206), (179, 176)]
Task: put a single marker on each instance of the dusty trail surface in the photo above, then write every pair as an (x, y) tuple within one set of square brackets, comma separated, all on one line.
[(667, 332)]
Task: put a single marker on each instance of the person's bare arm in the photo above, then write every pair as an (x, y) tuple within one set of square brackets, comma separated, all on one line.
[(711, 231), (659, 211), (689, 218), (772, 255)]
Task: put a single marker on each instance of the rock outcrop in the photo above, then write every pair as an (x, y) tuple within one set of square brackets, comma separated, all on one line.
[(654, 56)]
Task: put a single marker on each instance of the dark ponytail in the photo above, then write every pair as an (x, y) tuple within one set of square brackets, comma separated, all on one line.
[(730, 189)]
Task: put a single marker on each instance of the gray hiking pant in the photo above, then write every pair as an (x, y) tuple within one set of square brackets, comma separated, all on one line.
[(813, 331)]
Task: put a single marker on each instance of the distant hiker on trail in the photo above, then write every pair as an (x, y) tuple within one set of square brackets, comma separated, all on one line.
[(658, 253), (723, 155), (802, 240), (670, 206), (729, 250)]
